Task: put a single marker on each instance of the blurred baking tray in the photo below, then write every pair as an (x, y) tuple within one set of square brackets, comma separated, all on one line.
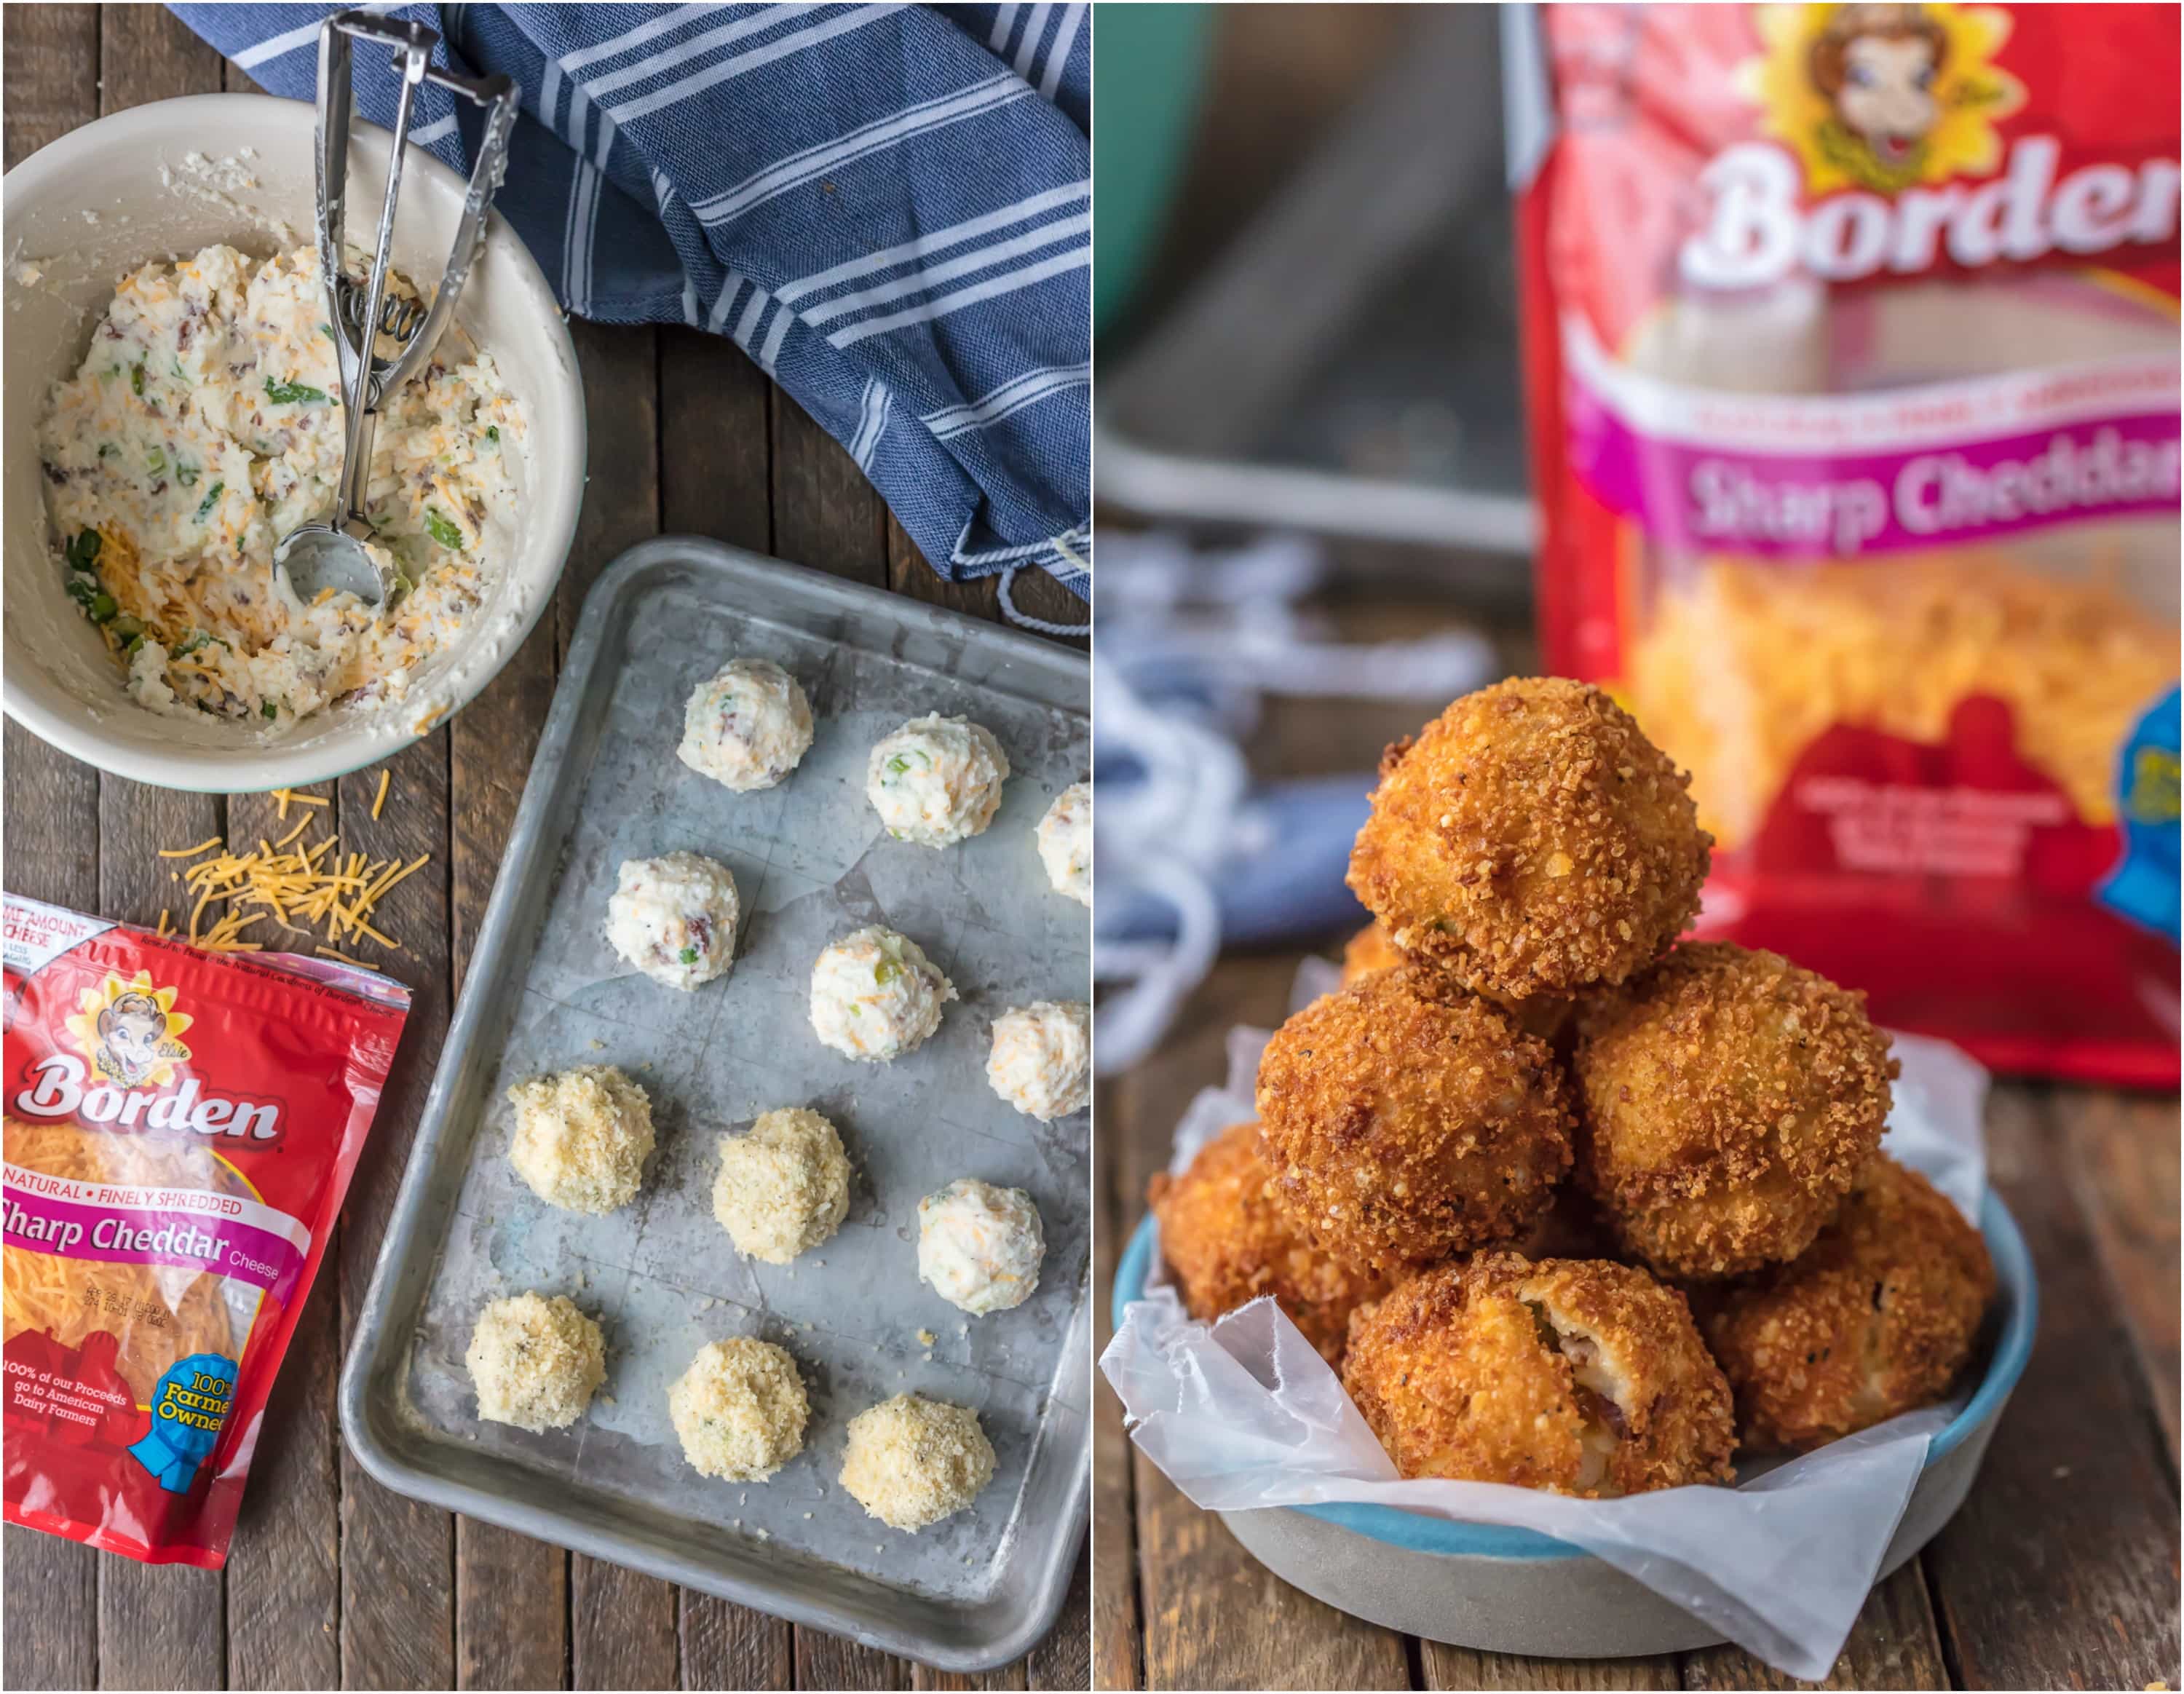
[(544, 991), (1350, 365)]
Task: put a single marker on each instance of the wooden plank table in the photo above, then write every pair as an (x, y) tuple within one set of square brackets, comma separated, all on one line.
[(2061, 1569), (333, 1581)]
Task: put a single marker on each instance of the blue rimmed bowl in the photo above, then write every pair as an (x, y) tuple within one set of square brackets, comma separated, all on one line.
[(1499, 1589)]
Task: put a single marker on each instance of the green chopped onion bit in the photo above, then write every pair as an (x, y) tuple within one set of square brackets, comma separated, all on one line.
[(186, 475), (689, 955), (293, 393), (267, 710), (442, 531), (83, 551), (135, 379), (103, 607), (211, 499), (155, 461)]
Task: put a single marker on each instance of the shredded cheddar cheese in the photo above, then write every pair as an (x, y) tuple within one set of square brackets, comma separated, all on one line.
[(1743, 666), (307, 888), (379, 799)]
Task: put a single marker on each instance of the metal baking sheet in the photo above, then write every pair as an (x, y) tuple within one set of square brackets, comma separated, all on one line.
[(544, 991)]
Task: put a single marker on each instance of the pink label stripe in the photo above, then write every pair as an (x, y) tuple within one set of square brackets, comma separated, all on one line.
[(1806, 505), (43, 1223)]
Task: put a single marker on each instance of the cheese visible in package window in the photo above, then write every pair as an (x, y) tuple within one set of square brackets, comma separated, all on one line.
[(1852, 361), (180, 1128)]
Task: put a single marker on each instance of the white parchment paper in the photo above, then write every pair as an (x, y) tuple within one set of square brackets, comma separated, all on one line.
[(1244, 1413)]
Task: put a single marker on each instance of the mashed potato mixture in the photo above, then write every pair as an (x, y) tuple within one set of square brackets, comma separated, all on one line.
[(875, 995), (937, 780), (205, 423), (1041, 1061), (980, 1247)]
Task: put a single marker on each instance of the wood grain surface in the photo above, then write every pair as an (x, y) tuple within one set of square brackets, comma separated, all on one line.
[(333, 1580)]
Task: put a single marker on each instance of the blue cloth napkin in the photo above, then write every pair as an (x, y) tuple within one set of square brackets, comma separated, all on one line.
[(888, 208)]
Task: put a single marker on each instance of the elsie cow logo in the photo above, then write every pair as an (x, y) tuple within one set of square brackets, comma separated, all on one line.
[(1882, 96), (128, 1032), (1878, 153)]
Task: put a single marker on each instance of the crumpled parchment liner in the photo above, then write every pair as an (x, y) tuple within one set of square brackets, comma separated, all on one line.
[(1244, 1414)]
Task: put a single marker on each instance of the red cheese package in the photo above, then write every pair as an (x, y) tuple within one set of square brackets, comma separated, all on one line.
[(181, 1127), (1851, 358)]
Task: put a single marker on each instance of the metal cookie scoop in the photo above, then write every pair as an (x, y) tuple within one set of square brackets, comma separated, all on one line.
[(330, 554)]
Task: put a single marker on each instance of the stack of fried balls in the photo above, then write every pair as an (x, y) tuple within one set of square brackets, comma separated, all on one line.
[(1569, 1206)]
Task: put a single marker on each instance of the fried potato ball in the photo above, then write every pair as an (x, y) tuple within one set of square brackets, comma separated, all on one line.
[(1227, 1241), (1404, 1120), (1544, 1015), (1570, 1375), (1529, 840), (1877, 1317), (1728, 1098)]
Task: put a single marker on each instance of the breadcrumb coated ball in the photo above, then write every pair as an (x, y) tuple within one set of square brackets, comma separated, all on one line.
[(1544, 1015), (535, 1363), (739, 1409), (1729, 1099), (783, 1186), (1531, 840), (1227, 1240), (1404, 1120), (1570, 1375), (581, 1137), (912, 1462), (1876, 1317)]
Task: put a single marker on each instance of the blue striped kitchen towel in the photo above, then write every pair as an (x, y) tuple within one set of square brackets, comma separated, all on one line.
[(887, 207)]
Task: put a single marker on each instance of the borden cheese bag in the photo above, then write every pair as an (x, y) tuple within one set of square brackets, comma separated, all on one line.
[(1852, 361), (180, 1127)]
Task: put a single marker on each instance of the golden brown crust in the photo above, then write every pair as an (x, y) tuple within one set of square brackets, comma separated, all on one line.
[(1545, 1014), (1574, 1376), (1728, 1100), (1366, 951), (1531, 841), (1404, 1120), (1228, 1242), (1876, 1318)]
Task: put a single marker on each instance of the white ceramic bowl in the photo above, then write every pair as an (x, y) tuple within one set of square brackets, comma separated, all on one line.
[(125, 190)]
